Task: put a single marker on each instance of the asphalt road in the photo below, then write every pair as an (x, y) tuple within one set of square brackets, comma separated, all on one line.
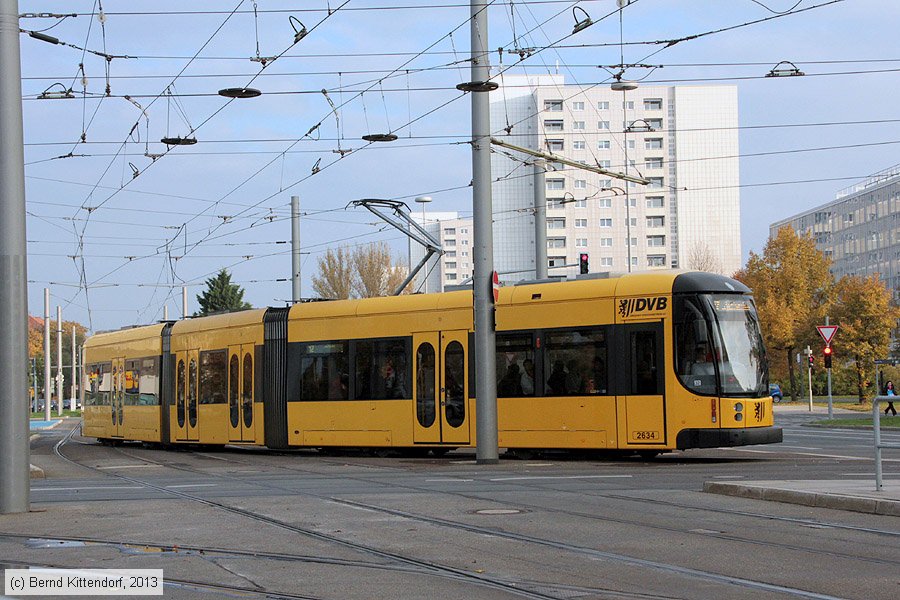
[(302, 524)]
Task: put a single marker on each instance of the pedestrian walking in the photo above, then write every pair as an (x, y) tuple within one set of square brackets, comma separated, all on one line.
[(889, 391)]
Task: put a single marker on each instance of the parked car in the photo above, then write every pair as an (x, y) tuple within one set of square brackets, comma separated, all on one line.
[(775, 392)]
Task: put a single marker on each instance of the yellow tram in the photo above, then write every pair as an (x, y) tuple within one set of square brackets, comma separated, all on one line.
[(643, 362)]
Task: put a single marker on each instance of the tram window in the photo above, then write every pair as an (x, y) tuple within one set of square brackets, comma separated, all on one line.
[(132, 383), (515, 365), (383, 369), (192, 393), (693, 354), (233, 375), (179, 393), (576, 361), (148, 382), (247, 398), (644, 370), (454, 383), (106, 383), (425, 397), (95, 386), (213, 377), (323, 371)]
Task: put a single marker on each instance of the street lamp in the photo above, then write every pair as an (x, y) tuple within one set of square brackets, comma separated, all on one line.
[(423, 200)]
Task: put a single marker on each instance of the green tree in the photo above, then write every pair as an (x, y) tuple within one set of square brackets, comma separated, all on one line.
[(221, 296), (863, 310), (791, 284)]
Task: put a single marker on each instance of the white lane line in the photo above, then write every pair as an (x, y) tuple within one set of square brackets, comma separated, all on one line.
[(190, 485), (561, 477), (840, 456), (799, 447), (213, 456), (449, 479), (131, 467), (86, 489)]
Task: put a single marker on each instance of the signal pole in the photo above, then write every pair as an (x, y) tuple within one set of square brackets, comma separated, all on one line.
[(809, 362), (830, 407)]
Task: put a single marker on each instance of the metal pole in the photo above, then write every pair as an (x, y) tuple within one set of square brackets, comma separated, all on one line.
[(59, 368), (47, 374), (540, 219), (627, 196), (166, 312), (74, 372), (876, 426), (184, 314), (14, 452), (295, 248), (34, 380), (809, 371), (830, 405), (486, 451)]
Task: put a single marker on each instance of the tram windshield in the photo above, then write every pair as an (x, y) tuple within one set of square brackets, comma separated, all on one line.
[(719, 345)]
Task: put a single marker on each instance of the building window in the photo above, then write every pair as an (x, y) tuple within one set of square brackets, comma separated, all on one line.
[(653, 104), (581, 242), (581, 203), (579, 145), (605, 222), (464, 253), (580, 223), (554, 125), (465, 242), (450, 242), (605, 183), (656, 124), (653, 144), (604, 164), (556, 242), (577, 124), (555, 144), (464, 230), (556, 223), (656, 221), (450, 265), (602, 124), (655, 202), (605, 202), (578, 106), (449, 231), (629, 105), (656, 260), (580, 184), (606, 242), (633, 221), (556, 261), (655, 182), (656, 240), (603, 144), (556, 184), (450, 254), (633, 242), (654, 163), (603, 105), (451, 276), (606, 261), (555, 203), (631, 144), (553, 105)]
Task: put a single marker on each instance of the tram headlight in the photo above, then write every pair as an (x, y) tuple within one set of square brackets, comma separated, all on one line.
[(738, 407), (739, 417)]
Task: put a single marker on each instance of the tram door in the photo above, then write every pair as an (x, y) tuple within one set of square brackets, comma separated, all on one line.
[(186, 427), (240, 393), (441, 387), (118, 397), (641, 351)]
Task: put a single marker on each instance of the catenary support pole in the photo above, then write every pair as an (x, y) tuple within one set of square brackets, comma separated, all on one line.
[(74, 388), (184, 314), (166, 312), (48, 375), (295, 249), (540, 219), (14, 452), (486, 451), (59, 367)]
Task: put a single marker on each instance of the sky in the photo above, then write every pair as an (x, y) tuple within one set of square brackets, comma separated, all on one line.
[(118, 221)]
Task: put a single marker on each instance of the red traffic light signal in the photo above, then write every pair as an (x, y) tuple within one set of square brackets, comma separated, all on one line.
[(583, 263), (826, 354), (812, 361)]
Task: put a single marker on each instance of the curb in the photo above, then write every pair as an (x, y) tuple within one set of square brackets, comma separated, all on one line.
[(836, 501), (36, 472)]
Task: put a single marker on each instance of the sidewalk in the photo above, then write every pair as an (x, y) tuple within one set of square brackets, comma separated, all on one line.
[(856, 496)]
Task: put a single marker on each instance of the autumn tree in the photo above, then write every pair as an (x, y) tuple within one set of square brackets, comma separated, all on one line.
[(364, 272), (36, 349), (791, 284), (221, 295), (863, 310)]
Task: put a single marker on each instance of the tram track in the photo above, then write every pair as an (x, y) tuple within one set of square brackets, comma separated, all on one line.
[(586, 552), (418, 566)]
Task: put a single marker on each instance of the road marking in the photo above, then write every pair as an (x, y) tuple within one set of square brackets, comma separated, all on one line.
[(447, 480), (561, 477), (215, 457), (190, 485), (814, 454), (85, 489), (729, 477), (131, 467), (799, 447)]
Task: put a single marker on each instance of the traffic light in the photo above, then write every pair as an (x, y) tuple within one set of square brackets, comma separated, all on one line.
[(812, 361), (583, 263), (826, 354)]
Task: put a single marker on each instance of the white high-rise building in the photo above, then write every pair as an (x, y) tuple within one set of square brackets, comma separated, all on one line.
[(683, 139), (455, 267)]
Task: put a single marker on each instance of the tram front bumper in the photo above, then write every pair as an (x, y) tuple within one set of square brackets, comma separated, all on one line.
[(717, 438)]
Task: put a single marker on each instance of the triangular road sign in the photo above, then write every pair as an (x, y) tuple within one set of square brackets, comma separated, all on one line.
[(827, 332)]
